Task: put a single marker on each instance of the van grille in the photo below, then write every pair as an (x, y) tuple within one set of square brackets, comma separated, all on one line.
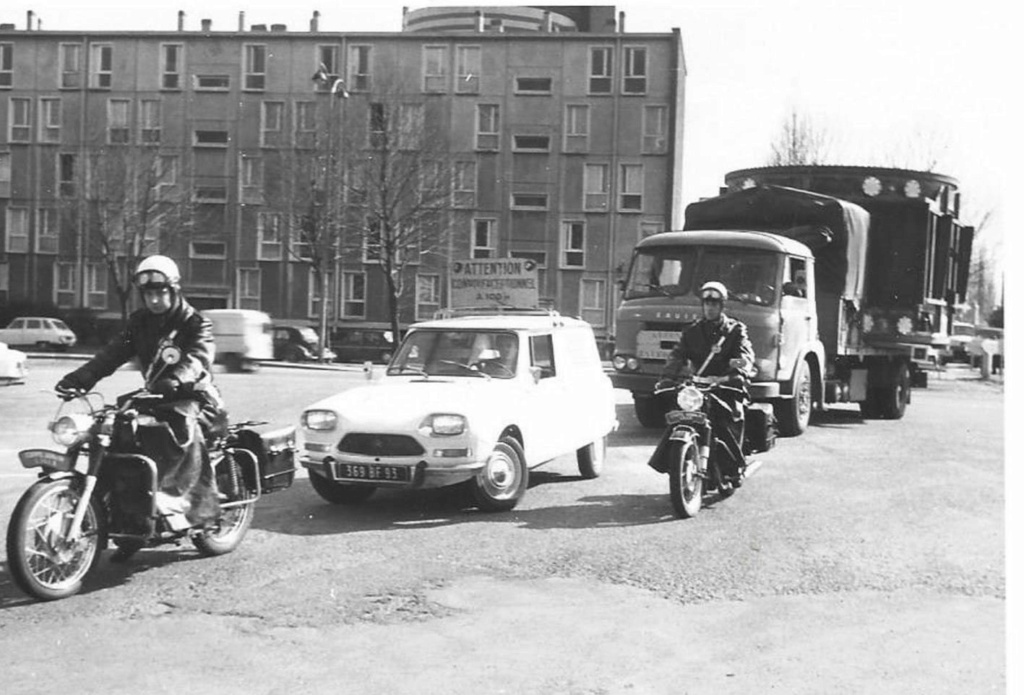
[(380, 445)]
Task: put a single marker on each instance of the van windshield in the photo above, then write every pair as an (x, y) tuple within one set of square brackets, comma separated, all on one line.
[(458, 353), (750, 275)]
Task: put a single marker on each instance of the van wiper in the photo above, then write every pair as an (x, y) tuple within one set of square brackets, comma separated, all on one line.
[(406, 369)]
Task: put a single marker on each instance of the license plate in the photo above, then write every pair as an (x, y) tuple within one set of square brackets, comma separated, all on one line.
[(372, 471), (44, 458)]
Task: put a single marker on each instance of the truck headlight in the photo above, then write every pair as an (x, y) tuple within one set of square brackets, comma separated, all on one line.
[(71, 429), (442, 425), (320, 420), (690, 398)]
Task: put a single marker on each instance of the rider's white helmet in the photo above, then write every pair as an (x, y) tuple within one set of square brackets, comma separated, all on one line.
[(714, 290), (156, 272)]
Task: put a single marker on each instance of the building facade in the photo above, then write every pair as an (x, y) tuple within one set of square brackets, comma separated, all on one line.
[(568, 132)]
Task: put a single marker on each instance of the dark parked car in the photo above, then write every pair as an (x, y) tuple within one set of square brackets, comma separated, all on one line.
[(362, 344), (298, 344)]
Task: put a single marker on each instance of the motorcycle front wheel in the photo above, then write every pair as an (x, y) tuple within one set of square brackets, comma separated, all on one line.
[(685, 484), (42, 562)]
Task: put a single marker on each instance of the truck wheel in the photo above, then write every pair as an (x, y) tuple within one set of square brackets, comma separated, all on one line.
[(794, 414), (893, 400), (869, 408), (648, 411)]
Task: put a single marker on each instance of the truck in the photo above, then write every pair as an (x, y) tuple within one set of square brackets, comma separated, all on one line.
[(847, 278)]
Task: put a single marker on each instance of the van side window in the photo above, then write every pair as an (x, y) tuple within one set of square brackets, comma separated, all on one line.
[(542, 355)]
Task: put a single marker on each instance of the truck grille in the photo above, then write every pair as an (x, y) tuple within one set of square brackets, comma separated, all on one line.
[(380, 445)]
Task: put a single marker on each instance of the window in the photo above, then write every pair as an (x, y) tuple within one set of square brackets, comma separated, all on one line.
[(271, 118), (435, 68), (410, 128), (67, 174), (533, 85), (49, 120), (255, 66), (5, 283), (327, 56), (166, 172), (655, 129), (5, 174), (170, 65), (484, 241), (20, 119), (530, 201), (47, 233), (378, 134), (298, 244), (371, 241), (149, 122), (358, 68), (6, 65), (215, 193), (634, 70), (577, 127), (600, 70), (428, 296), (531, 143), (208, 249), (432, 181), (464, 185), (252, 180), (592, 302), (318, 287), (212, 83), (573, 244), (249, 287), (487, 133), (210, 138), (467, 69), (96, 275), (305, 124), (70, 65), (353, 295), (17, 230), (542, 355), (65, 284), (269, 232), (118, 132), (101, 66), (595, 187), (631, 188)]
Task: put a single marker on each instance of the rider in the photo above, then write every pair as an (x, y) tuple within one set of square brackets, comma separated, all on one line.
[(190, 398), (717, 346)]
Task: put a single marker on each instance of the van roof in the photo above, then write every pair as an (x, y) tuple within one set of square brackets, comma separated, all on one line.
[(507, 322)]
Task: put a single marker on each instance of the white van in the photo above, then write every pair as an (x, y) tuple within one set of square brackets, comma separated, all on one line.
[(243, 338)]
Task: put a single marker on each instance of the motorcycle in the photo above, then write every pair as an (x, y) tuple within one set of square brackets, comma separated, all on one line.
[(63, 522), (690, 452)]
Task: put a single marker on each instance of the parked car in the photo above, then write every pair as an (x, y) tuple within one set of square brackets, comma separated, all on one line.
[(13, 365), (476, 399), (362, 344), (38, 331), (298, 344), (243, 338)]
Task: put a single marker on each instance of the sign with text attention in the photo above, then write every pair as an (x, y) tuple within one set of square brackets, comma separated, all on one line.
[(494, 282)]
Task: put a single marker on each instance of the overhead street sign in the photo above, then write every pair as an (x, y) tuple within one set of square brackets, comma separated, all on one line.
[(494, 282)]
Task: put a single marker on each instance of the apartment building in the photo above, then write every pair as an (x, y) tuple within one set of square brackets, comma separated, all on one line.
[(568, 131)]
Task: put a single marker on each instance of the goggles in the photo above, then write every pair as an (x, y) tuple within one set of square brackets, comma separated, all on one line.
[(711, 299), (151, 277)]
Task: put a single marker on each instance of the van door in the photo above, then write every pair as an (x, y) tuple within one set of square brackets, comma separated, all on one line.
[(799, 322), (544, 416)]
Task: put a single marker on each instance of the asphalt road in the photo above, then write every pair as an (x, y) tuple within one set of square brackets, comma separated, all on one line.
[(863, 557)]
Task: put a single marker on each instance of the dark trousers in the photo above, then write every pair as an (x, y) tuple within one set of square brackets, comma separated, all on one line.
[(727, 424)]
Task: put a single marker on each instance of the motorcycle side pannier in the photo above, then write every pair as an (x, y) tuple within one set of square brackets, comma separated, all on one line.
[(275, 452), (760, 430)]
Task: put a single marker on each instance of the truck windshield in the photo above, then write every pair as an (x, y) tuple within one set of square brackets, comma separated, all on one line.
[(750, 275)]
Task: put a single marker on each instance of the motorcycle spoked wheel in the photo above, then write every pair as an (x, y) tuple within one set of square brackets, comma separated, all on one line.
[(227, 532), (41, 561), (685, 483)]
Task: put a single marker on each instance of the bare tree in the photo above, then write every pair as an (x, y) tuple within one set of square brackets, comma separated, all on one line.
[(924, 149), (800, 140), (132, 202)]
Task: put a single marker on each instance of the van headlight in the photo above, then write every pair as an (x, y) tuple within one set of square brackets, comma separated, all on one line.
[(71, 429), (442, 425), (690, 398), (320, 420)]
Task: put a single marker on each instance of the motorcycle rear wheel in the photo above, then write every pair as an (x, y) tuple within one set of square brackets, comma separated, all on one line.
[(41, 563), (685, 485)]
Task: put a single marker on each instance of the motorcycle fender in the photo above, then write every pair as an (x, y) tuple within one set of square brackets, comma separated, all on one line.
[(659, 459), (681, 434)]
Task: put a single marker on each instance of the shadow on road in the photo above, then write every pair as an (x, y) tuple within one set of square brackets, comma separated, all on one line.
[(837, 419)]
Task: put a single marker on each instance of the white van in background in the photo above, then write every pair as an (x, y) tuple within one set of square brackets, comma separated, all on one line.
[(243, 338)]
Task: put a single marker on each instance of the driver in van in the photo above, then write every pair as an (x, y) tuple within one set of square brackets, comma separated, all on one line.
[(191, 401), (717, 346)]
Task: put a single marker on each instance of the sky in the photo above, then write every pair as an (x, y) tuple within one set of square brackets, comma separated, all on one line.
[(883, 80)]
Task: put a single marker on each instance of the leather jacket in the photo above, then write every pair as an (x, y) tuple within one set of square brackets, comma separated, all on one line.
[(699, 340)]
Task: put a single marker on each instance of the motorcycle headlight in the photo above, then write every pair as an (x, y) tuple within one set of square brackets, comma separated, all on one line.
[(71, 429), (690, 398), (442, 425), (320, 420)]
